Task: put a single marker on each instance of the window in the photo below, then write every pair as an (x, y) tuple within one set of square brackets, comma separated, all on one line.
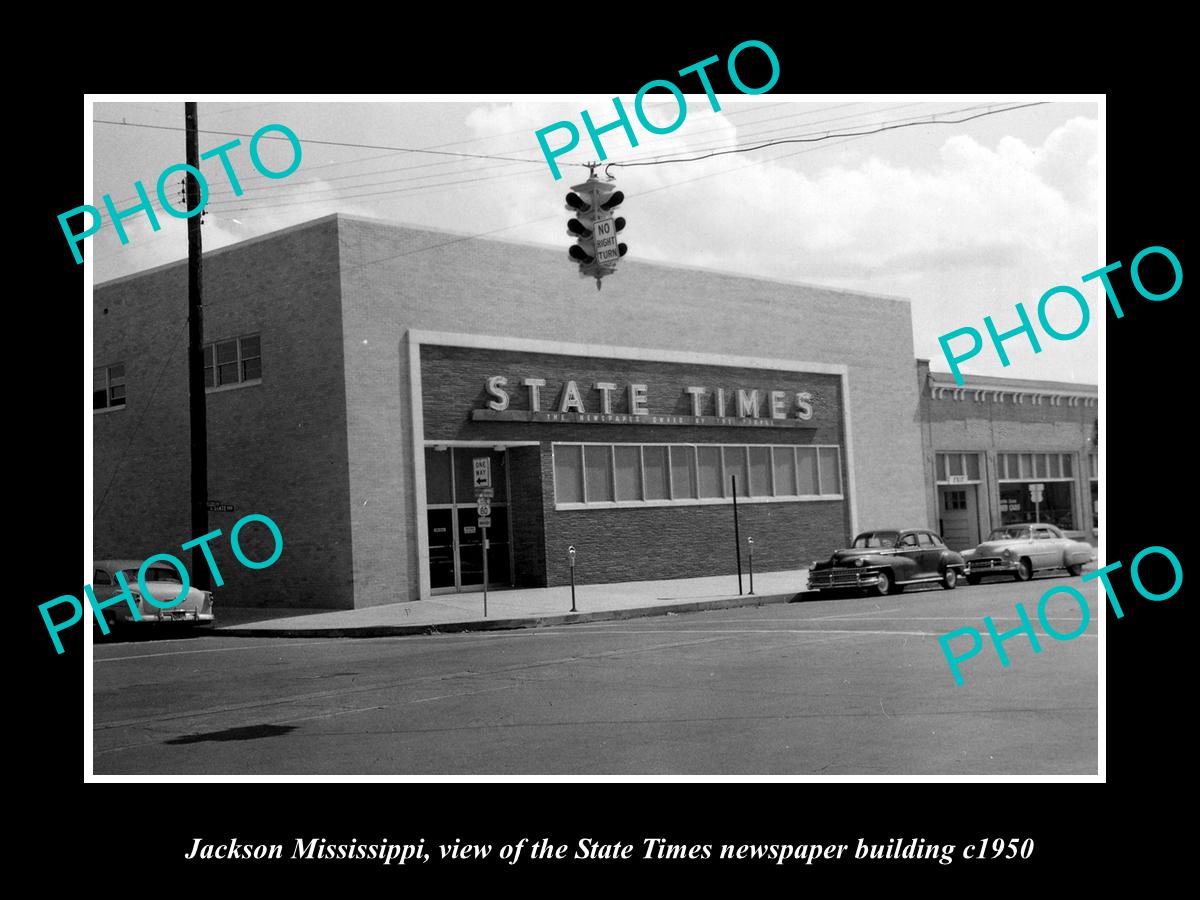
[(954, 500), (1033, 466), (683, 473), (597, 470), (957, 468), (235, 361), (568, 473), (108, 386), (645, 474), (101, 577)]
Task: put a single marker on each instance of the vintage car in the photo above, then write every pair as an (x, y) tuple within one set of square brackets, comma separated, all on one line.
[(162, 581), (885, 561), (1021, 550)]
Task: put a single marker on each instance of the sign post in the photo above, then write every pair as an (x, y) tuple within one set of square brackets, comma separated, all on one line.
[(1035, 494), (482, 468)]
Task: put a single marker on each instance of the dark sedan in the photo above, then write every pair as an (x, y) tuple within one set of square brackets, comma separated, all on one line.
[(886, 561)]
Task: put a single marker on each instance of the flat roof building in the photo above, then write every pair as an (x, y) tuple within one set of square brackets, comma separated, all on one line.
[(358, 369)]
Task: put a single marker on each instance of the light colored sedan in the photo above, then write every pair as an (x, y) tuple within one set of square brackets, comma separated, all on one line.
[(1020, 551), (162, 581)]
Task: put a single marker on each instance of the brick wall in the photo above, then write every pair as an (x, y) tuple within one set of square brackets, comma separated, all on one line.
[(276, 448)]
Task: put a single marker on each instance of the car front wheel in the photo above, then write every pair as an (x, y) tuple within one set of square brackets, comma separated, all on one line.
[(885, 585), (1074, 570), (950, 579), (1024, 571)]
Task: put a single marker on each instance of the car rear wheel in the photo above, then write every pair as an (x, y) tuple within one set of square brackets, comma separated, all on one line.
[(950, 579), (886, 584), (1075, 570), (1024, 571), (974, 579)]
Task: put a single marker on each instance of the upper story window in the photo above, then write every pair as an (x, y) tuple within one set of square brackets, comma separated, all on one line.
[(235, 361), (108, 386)]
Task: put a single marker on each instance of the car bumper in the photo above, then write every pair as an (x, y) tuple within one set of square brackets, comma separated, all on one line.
[(833, 579), (164, 616), (991, 566)]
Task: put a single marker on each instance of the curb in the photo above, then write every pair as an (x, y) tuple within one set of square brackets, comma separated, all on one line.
[(372, 631)]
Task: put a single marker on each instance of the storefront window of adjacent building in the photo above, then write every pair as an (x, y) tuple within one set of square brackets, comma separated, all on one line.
[(1054, 471), (642, 474), (108, 386), (235, 361)]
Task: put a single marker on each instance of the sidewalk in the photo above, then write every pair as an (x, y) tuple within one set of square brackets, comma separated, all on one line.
[(521, 608)]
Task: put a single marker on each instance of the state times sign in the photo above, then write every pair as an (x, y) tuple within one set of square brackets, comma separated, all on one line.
[(715, 407)]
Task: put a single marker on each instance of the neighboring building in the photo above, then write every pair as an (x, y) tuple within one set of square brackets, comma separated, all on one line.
[(990, 442), (357, 370)]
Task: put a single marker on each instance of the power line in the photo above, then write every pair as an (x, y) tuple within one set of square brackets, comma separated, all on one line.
[(827, 136), (326, 143)]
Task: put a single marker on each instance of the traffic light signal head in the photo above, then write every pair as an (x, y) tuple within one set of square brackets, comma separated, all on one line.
[(594, 227)]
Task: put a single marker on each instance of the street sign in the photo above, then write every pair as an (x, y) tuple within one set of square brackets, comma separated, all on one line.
[(483, 506), (604, 232), (218, 506), (485, 492), (485, 522), (483, 472), (1035, 491)]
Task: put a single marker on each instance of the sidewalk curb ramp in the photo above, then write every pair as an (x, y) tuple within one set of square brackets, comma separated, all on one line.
[(373, 631)]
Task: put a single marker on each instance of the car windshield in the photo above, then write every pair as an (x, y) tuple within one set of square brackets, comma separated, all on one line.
[(1009, 534), (153, 574), (876, 539)]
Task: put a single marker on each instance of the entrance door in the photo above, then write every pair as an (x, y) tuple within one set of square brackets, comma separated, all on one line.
[(959, 516), (455, 538)]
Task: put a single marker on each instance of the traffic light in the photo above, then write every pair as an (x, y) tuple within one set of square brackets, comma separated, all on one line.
[(595, 229)]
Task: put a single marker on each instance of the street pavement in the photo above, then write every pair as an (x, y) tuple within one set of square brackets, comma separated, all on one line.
[(845, 686)]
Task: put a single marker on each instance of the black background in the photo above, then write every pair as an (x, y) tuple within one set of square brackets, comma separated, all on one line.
[(135, 831)]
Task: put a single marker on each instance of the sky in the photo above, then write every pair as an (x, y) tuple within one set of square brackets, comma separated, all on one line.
[(963, 220)]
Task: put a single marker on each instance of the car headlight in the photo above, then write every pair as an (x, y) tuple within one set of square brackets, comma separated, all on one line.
[(1007, 554), (860, 562), (814, 563)]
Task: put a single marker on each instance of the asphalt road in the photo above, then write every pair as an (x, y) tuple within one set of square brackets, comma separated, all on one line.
[(833, 687)]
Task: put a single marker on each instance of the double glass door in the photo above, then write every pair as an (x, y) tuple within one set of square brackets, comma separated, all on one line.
[(455, 538)]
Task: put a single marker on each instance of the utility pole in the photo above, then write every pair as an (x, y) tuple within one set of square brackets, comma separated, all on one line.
[(198, 412)]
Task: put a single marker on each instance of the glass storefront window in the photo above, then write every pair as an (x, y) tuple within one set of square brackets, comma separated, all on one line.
[(785, 471), (629, 472), (597, 468), (683, 473), (568, 473), (760, 472), (709, 459), (437, 476), (655, 467), (735, 467), (806, 467), (831, 475), (643, 473), (1056, 508)]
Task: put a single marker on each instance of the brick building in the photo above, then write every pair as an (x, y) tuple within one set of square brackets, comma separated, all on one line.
[(988, 442), (357, 369)]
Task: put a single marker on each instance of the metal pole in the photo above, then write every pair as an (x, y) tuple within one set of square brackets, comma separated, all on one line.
[(572, 589), (751, 540), (485, 571), (737, 540), (197, 409)]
